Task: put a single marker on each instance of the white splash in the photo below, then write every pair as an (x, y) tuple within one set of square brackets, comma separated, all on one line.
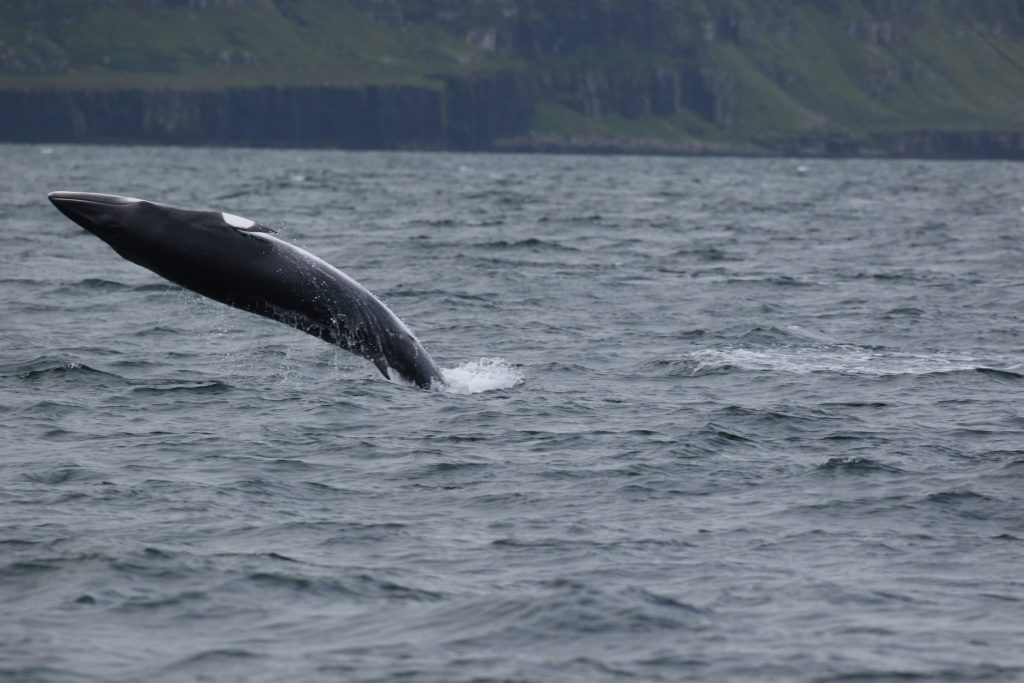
[(486, 374)]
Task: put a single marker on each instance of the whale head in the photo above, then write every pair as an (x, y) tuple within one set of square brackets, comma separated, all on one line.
[(141, 230), (104, 215), (125, 223)]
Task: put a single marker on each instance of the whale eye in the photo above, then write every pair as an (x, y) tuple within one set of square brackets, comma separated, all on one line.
[(237, 221)]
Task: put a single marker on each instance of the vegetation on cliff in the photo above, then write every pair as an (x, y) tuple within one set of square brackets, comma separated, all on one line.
[(803, 76)]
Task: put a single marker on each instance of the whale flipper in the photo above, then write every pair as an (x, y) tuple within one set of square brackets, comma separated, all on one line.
[(382, 365)]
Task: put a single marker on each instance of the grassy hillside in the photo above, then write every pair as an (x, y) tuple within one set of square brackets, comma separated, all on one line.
[(95, 44), (664, 72), (938, 69)]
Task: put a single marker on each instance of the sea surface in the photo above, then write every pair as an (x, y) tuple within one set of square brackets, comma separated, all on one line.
[(709, 420)]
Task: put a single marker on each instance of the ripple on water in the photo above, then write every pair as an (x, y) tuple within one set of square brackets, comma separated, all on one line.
[(701, 414)]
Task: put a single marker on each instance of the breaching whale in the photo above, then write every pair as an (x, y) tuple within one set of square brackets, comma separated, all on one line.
[(240, 263)]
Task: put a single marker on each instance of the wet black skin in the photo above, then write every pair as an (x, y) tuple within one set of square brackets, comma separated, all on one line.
[(250, 269)]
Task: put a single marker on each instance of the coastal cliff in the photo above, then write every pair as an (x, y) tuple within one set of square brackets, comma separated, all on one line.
[(462, 114), (931, 78)]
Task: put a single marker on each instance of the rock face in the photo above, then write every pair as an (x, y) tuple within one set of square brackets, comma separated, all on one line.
[(479, 112), (464, 114), (643, 91), (932, 78), (990, 144), (626, 58), (363, 117)]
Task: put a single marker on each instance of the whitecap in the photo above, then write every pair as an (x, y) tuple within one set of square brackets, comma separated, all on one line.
[(842, 359)]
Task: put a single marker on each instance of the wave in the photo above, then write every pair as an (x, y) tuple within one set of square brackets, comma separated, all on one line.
[(61, 474), (360, 586), (50, 366), (530, 243), (199, 387), (856, 465), (789, 335), (841, 359), (439, 296), (561, 611), (93, 284)]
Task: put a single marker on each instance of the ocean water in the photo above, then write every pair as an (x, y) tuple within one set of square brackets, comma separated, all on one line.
[(710, 420)]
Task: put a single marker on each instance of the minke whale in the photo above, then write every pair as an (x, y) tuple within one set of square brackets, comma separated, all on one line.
[(240, 263)]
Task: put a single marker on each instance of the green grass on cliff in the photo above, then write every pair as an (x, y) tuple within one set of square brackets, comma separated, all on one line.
[(794, 68), (561, 122), (812, 69), (86, 44)]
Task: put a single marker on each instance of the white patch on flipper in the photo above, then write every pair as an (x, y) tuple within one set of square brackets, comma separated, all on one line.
[(237, 221)]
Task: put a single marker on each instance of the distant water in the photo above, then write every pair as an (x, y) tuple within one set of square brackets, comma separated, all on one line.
[(711, 420)]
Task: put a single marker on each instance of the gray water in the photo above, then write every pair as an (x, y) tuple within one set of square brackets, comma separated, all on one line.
[(710, 419)]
